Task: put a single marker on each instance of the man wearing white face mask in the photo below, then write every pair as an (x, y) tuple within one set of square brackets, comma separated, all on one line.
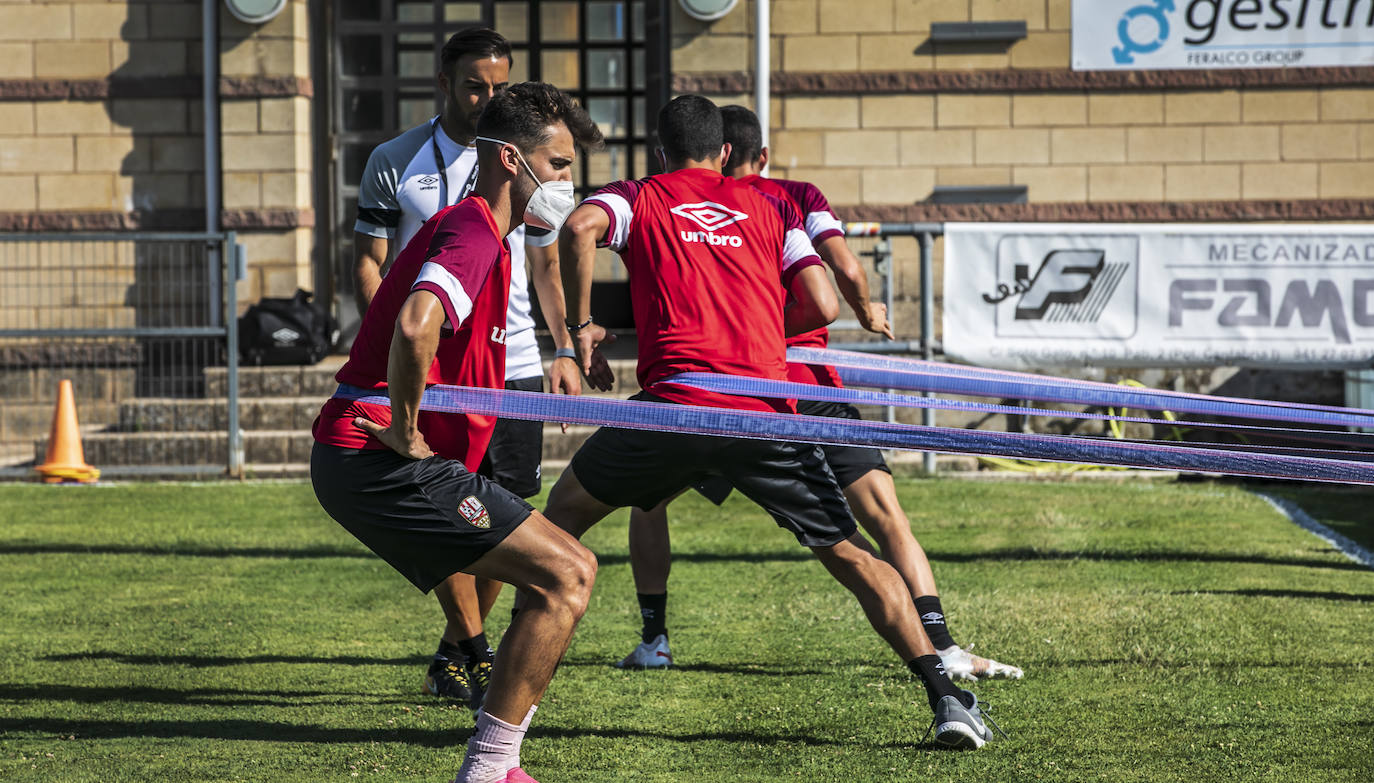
[(401, 479), (408, 180)]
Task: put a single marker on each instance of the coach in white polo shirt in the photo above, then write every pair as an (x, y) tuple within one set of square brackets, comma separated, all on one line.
[(407, 180)]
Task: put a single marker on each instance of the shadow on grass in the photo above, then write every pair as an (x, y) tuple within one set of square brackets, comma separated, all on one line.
[(1147, 556), (747, 669), (307, 553), (210, 661), (198, 696), (1026, 554), (1257, 593), (1189, 664), (206, 661), (432, 738)]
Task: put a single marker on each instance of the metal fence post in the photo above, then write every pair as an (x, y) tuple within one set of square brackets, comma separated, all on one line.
[(882, 264), (232, 256), (927, 333)]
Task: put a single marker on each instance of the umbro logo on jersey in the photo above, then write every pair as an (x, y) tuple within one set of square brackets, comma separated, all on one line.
[(428, 180), (709, 215)]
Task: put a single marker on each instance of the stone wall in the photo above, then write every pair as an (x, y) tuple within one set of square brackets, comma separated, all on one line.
[(101, 127)]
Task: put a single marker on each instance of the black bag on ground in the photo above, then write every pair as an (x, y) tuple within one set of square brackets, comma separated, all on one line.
[(286, 331)]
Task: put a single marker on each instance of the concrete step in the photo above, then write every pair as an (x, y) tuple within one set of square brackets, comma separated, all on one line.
[(211, 415), (318, 380), (189, 448)]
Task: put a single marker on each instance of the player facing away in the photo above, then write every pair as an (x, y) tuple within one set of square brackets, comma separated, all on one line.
[(400, 479), (710, 261), (407, 180), (862, 473)]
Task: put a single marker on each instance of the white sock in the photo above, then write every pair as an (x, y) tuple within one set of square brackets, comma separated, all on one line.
[(493, 750), (524, 727)]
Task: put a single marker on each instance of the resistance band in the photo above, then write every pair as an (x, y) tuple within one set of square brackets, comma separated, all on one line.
[(891, 372), (723, 422), (788, 390)]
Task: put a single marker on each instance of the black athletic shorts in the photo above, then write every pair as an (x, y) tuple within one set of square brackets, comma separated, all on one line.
[(790, 481), (516, 448), (848, 463), (428, 518)]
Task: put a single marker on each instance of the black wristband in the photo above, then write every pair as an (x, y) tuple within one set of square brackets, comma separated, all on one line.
[(574, 329)]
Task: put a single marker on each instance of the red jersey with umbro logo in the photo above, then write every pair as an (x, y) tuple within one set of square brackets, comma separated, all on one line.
[(709, 261), (459, 256)]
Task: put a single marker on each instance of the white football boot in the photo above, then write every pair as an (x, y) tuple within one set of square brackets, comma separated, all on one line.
[(960, 664), (649, 655)]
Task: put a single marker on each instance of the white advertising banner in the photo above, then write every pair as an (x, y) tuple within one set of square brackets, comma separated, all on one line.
[(1021, 295), (1206, 34)]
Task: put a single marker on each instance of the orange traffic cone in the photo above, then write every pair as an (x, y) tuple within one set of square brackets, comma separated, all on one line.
[(65, 459)]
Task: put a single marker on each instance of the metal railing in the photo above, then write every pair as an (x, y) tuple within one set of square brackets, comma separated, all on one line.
[(883, 264), (141, 323)]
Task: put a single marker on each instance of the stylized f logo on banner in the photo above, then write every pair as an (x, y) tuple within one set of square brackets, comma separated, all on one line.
[(1065, 277)]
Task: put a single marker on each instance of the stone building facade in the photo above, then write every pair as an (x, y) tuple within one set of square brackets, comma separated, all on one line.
[(101, 120)]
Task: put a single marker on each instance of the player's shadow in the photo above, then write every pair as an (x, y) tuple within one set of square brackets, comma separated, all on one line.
[(275, 731), (1163, 556), (745, 669), (753, 558), (209, 697), (307, 553), (1313, 595), (439, 737), (211, 661)]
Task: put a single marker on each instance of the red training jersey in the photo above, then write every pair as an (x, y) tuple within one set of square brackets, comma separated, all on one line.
[(460, 257), (821, 224), (705, 256)]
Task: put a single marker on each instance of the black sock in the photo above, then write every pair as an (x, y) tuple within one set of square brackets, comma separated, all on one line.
[(933, 620), (932, 674), (476, 649), (653, 608), (449, 652)]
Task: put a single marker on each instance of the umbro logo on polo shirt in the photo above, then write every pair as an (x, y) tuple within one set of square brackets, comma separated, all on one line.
[(709, 215)]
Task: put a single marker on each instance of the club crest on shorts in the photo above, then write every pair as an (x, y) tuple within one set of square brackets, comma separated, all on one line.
[(474, 512)]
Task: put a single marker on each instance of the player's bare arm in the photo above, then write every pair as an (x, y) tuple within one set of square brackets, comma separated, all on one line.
[(413, 345), (369, 261), (577, 243), (564, 375), (814, 304), (853, 285)]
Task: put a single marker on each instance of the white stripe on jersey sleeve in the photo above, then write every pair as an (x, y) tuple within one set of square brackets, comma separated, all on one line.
[(795, 247), (457, 297), (818, 223), (623, 213)]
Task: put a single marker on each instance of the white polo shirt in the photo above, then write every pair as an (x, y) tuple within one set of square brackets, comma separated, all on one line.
[(402, 188)]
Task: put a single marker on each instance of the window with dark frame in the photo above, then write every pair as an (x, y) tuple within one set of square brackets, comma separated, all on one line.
[(385, 55)]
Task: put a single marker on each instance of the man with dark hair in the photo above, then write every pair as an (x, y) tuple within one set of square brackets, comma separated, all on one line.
[(408, 180), (399, 479), (862, 473), (710, 262)]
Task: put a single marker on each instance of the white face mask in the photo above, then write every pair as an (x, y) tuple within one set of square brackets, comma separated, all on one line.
[(551, 202)]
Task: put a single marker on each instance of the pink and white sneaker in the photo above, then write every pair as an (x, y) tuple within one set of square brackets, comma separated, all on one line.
[(518, 775)]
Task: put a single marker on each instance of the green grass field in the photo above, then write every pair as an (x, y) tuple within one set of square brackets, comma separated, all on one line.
[(1168, 631)]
